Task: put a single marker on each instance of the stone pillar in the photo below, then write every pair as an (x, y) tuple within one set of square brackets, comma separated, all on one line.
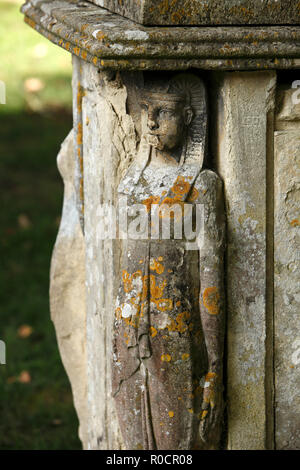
[(287, 271), (254, 148), (246, 103)]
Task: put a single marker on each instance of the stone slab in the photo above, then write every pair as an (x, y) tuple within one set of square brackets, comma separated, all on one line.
[(110, 41), (287, 273), (205, 12), (245, 102)]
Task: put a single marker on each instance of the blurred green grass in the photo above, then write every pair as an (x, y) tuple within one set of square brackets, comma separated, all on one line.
[(38, 414)]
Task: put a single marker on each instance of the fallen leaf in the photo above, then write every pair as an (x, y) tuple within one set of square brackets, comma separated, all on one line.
[(33, 85), (24, 377), (24, 331), (24, 221), (11, 380), (56, 422)]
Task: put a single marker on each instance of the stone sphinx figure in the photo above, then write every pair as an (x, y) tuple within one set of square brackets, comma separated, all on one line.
[(169, 316)]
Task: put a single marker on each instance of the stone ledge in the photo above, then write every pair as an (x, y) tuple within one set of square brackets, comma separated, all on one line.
[(206, 12), (110, 41)]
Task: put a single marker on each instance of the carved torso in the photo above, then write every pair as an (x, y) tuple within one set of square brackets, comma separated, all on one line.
[(160, 358)]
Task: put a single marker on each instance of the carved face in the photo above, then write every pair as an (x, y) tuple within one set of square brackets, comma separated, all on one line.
[(164, 122)]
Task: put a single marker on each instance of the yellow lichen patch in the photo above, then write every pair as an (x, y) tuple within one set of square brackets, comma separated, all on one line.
[(179, 324), (178, 303), (171, 414), (79, 134), (145, 287), (76, 50), (153, 331), (126, 278), (149, 201), (141, 261), (100, 35), (179, 398), (181, 187), (204, 414), (168, 208), (95, 60), (210, 375), (80, 95), (164, 304), (156, 266), (161, 423), (190, 410), (181, 321), (163, 7), (155, 290), (142, 309), (165, 358), (118, 313), (185, 356), (29, 22), (211, 299)]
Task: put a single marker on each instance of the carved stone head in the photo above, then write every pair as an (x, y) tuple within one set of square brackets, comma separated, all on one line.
[(167, 116), (174, 116)]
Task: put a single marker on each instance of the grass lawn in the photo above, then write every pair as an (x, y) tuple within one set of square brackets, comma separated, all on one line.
[(35, 397)]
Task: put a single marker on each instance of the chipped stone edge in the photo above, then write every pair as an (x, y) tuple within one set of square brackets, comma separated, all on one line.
[(229, 51)]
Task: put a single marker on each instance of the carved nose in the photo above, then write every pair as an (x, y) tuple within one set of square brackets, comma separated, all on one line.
[(152, 124)]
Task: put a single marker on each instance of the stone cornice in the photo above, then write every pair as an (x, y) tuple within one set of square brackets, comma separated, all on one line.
[(110, 41)]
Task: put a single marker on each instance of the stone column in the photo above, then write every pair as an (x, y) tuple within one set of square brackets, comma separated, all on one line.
[(287, 271), (246, 103), (254, 149)]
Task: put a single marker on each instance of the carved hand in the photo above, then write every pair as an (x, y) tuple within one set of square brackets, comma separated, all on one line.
[(212, 406)]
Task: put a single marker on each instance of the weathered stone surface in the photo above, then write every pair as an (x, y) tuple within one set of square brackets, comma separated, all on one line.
[(110, 41), (67, 289), (207, 12), (109, 139), (245, 102), (287, 274)]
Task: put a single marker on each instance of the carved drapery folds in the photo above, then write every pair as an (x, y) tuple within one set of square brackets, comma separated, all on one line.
[(169, 316)]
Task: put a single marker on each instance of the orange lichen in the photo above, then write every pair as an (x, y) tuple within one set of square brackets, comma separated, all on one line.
[(211, 299), (149, 201), (181, 187), (185, 356), (171, 414), (156, 266), (295, 223), (164, 304), (155, 290), (126, 278), (153, 331), (165, 358)]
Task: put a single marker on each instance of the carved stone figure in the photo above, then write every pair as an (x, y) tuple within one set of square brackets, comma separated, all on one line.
[(169, 318)]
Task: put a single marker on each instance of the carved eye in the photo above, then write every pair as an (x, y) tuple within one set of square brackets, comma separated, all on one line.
[(144, 106), (165, 113)]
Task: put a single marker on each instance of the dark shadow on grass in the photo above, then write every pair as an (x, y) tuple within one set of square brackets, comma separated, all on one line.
[(38, 414)]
